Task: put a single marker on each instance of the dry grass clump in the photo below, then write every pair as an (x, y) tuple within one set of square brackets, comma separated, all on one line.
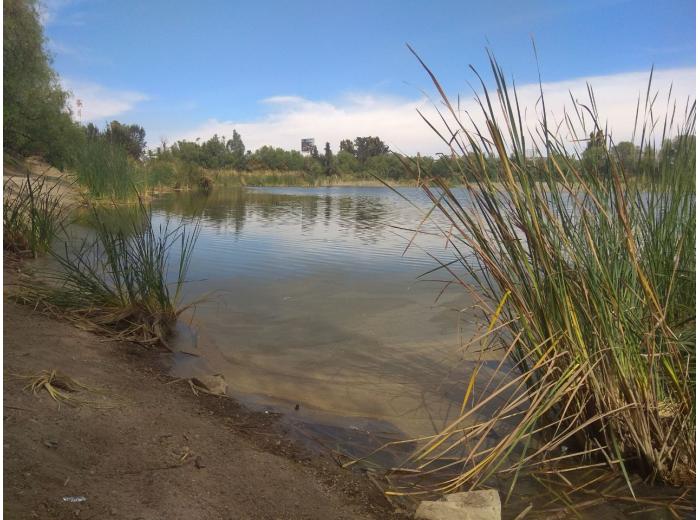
[(588, 281), (59, 386)]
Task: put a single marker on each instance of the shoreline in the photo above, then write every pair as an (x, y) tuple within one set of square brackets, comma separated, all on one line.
[(151, 449)]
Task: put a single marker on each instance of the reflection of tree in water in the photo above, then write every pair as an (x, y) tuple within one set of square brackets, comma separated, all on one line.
[(227, 208), (309, 212), (327, 210), (369, 216), (125, 218), (346, 216)]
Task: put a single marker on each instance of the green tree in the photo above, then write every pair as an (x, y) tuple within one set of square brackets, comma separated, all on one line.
[(628, 154), (328, 160), (594, 157), (346, 163), (36, 117), (346, 145), (671, 149), (237, 148), (130, 137), (366, 147), (314, 153)]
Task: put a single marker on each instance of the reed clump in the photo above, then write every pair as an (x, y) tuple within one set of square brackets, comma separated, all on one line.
[(107, 171), (116, 280), (32, 213), (587, 276)]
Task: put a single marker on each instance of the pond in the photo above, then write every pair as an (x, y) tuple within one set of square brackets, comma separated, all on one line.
[(310, 299)]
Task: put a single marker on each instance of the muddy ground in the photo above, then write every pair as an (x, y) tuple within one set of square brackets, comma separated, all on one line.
[(141, 446)]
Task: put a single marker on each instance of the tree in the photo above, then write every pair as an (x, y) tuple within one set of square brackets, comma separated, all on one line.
[(594, 157), (627, 153), (36, 117), (366, 147), (237, 148), (672, 149), (314, 152), (346, 163), (346, 145), (92, 132), (130, 137), (328, 159)]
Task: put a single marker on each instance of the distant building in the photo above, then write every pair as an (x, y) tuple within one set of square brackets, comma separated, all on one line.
[(307, 144)]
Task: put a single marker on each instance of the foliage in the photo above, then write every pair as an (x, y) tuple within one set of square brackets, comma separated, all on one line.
[(328, 162), (106, 170), (367, 147), (36, 118), (130, 137), (117, 280), (588, 279), (32, 214), (237, 148), (347, 146)]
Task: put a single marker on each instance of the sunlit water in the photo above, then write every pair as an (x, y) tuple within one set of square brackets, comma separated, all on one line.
[(309, 303), (311, 298)]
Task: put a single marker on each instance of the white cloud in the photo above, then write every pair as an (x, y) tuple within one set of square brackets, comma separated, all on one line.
[(289, 118), (99, 102), (51, 12)]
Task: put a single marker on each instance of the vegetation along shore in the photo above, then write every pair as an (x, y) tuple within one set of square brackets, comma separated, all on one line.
[(577, 251)]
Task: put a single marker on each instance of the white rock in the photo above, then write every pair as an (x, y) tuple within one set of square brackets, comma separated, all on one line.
[(483, 504), (428, 510), (469, 505), (215, 384)]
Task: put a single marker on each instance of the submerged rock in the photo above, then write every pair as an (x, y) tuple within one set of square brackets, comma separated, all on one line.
[(469, 505)]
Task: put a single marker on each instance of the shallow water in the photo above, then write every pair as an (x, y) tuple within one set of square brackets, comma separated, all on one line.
[(308, 297), (311, 300)]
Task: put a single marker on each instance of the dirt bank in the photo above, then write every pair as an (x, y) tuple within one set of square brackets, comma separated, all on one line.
[(147, 447)]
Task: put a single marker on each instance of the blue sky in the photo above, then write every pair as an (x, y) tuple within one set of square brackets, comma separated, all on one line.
[(186, 69)]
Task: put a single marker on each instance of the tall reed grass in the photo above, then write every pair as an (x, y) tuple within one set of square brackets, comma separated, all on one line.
[(587, 281), (116, 279), (32, 214), (106, 171)]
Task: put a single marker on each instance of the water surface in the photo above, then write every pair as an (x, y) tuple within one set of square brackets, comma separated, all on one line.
[(311, 299)]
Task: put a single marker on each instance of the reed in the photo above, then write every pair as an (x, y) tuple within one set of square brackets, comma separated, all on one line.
[(107, 172), (33, 213), (116, 281), (586, 277)]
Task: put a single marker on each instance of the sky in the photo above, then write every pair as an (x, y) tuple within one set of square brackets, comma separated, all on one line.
[(279, 71)]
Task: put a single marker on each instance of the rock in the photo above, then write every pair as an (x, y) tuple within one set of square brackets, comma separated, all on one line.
[(214, 384), (469, 505), (428, 510), (484, 504)]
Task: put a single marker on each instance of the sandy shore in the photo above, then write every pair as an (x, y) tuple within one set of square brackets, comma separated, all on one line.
[(146, 447)]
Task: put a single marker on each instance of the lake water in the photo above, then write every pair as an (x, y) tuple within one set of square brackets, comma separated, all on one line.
[(309, 297), (310, 300)]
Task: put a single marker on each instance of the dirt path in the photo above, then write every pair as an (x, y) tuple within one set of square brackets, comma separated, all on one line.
[(152, 450)]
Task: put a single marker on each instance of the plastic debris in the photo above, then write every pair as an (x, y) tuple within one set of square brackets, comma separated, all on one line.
[(78, 498)]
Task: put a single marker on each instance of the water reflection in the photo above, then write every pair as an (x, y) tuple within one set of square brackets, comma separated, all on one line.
[(312, 302)]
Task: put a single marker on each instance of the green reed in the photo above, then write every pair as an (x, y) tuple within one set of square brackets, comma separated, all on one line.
[(587, 276), (116, 280), (33, 213), (107, 171)]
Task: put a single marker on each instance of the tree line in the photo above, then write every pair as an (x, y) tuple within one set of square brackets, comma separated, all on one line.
[(37, 120)]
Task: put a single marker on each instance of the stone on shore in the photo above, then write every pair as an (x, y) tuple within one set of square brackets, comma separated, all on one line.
[(469, 505), (214, 384)]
